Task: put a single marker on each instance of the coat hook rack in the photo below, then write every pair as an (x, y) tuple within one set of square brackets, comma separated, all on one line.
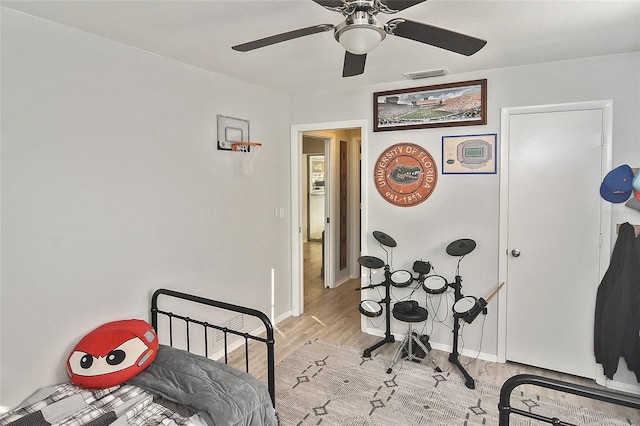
[(636, 229)]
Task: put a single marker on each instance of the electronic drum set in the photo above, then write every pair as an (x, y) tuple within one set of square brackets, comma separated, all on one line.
[(465, 308)]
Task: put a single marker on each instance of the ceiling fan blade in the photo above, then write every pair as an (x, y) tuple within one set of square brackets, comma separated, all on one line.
[(330, 4), (398, 5), (387, 6), (353, 64), (278, 38), (435, 36)]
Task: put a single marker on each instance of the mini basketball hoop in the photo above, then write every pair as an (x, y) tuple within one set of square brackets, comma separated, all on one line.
[(249, 153)]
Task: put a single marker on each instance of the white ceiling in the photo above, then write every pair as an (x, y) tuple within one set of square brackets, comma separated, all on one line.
[(201, 33)]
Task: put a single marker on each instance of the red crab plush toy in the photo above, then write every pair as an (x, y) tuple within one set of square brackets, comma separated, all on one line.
[(112, 354)]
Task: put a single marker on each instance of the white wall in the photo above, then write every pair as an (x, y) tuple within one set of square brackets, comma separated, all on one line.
[(112, 186), (464, 206)]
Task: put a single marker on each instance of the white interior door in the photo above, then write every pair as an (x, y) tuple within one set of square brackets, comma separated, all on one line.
[(553, 249)]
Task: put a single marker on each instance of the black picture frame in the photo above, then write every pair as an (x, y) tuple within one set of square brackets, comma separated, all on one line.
[(443, 105)]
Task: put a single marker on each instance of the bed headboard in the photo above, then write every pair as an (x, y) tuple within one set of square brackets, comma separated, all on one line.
[(186, 320)]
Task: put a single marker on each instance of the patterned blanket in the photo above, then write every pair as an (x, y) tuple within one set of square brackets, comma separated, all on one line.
[(178, 388), (67, 404)]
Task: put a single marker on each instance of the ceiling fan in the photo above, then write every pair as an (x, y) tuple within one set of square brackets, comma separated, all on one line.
[(361, 32)]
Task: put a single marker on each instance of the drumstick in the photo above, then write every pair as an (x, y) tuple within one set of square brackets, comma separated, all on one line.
[(492, 295)]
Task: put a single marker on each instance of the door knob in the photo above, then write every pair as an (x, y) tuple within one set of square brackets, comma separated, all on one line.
[(515, 252)]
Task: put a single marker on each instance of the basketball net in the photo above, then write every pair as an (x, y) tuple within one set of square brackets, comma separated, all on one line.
[(249, 152)]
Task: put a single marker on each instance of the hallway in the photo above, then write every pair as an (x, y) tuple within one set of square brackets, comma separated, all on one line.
[(313, 281)]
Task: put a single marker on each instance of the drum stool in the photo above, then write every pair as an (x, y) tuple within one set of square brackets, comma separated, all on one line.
[(410, 312)]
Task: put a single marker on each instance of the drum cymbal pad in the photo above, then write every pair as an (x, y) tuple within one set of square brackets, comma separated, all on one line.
[(371, 262), (461, 247), (384, 239)]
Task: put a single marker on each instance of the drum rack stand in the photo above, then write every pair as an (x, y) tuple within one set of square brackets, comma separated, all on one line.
[(388, 337), (454, 356)]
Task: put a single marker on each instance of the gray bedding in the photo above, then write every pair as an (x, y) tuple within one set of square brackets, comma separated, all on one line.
[(221, 394)]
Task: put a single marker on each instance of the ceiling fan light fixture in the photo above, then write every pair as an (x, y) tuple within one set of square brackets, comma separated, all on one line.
[(360, 33), (360, 39)]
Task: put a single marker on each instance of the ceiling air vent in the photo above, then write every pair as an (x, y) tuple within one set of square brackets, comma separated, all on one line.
[(426, 74)]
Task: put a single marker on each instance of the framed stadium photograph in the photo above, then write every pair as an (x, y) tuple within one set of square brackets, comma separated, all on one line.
[(443, 105)]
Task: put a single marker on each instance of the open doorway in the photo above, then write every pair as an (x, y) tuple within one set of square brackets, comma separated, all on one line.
[(314, 201), (339, 246)]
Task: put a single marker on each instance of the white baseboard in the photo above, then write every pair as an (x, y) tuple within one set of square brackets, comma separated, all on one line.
[(342, 281), (602, 380), (439, 346), (623, 387), (282, 317)]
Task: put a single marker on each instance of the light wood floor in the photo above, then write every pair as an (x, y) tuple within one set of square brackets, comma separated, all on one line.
[(332, 315)]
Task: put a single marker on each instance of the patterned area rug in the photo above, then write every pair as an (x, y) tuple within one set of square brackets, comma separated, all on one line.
[(325, 384)]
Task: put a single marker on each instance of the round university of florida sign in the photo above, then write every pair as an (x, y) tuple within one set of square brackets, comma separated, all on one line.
[(405, 174)]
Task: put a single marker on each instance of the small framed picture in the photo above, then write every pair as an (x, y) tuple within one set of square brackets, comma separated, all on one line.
[(469, 154)]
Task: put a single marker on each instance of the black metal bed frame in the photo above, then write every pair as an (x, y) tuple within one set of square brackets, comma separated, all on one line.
[(529, 379), (268, 340)]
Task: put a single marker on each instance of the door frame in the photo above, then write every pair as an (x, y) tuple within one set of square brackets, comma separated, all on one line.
[(606, 106), (297, 257)]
